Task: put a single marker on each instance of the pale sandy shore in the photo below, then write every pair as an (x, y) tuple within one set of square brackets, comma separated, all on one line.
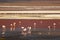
[(31, 3)]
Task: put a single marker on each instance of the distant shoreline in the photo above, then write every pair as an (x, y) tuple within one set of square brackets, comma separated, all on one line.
[(31, 3)]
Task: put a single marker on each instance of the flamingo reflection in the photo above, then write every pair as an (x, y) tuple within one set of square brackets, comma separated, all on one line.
[(3, 30)]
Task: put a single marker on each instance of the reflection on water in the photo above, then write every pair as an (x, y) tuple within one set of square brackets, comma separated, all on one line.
[(34, 26), (49, 28), (25, 34), (54, 25), (3, 30), (29, 30), (33, 36), (26, 31), (13, 26), (29, 33)]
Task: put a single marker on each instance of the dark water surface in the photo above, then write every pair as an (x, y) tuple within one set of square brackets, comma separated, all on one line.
[(16, 35), (27, 0)]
